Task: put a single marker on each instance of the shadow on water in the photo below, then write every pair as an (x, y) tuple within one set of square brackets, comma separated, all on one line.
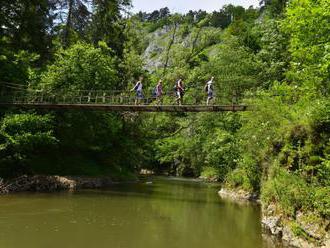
[(167, 189)]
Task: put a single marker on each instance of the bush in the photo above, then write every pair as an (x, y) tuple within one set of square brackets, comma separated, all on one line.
[(238, 179), (22, 137), (209, 172), (321, 121), (290, 191), (246, 176), (321, 200)]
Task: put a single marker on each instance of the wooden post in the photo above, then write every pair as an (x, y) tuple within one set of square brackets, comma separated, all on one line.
[(97, 96), (89, 97)]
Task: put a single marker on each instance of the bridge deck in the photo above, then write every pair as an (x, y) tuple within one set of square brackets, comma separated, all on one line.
[(130, 108)]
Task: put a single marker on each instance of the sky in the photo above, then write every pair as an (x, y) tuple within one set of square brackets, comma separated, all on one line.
[(183, 6)]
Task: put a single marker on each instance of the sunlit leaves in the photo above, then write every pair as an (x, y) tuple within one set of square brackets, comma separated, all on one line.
[(80, 67)]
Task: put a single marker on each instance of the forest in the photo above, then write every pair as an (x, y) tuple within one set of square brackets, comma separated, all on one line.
[(276, 56)]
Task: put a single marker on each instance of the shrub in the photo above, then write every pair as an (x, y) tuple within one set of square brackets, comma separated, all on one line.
[(22, 137), (321, 200), (290, 191), (209, 172)]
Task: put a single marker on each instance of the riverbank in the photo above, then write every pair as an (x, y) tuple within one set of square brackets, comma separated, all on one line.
[(305, 231), (40, 183), (239, 195)]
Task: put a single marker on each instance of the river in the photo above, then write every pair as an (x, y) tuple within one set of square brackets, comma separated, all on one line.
[(166, 213)]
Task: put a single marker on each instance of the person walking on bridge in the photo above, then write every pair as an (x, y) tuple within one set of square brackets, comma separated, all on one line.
[(159, 92), (138, 89), (179, 88), (209, 89)]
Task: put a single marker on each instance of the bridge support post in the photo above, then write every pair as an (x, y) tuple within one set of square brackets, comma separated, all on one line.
[(89, 97), (96, 97)]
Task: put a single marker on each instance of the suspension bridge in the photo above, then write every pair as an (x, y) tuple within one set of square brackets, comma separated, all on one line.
[(116, 101)]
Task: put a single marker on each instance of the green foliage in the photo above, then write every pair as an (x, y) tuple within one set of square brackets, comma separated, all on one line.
[(321, 119), (288, 190), (16, 66), (274, 7), (107, 24), (309, 43), (209, 173), (273, 55), (22, 137), (211, 144), (26, 24), (299, 231), (237, 179), (321, 199), (82, 67)]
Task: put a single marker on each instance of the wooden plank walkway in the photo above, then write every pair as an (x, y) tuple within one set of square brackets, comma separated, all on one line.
[(129, 108)]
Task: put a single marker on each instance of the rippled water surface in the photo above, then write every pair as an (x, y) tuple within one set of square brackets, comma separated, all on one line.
[(161, 214)]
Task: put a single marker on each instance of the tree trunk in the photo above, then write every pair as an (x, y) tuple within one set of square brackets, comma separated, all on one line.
[(68, 25)]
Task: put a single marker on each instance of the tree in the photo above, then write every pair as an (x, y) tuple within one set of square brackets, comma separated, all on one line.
[(73, 17), (220, 19), (275, 7), (23, 136), (26, 25), (106, 23), (175, 19), (309, 43), (81, 67), (164, 12), (273, 55)]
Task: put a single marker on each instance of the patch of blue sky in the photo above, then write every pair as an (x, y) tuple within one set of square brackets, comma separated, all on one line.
[(183, 6)]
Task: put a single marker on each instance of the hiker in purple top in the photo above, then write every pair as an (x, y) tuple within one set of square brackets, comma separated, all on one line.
[(159, 92)]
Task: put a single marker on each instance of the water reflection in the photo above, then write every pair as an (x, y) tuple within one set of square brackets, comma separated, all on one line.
[(166, 213)]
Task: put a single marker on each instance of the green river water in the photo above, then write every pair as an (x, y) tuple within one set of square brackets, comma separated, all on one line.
[(162, 214)]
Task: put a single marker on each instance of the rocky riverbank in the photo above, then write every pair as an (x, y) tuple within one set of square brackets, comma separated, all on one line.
[(52, 184), (238, 195), (305, 231)]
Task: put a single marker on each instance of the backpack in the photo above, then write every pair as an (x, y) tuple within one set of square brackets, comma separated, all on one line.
[(206, 88), (154, 92), (136, 86)]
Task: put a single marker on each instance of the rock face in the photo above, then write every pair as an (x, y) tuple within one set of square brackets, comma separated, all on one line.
[(52, 184), (272, 224), (281, 228), (238, 195), (3, 189), (213, 179)]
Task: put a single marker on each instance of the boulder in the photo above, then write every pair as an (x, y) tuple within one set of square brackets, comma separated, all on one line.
[(273, 225), (52, 184), (238, 195)]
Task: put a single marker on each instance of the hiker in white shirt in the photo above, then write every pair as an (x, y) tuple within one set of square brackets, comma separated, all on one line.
[(138, 89), (179, 88), (209, 89)]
